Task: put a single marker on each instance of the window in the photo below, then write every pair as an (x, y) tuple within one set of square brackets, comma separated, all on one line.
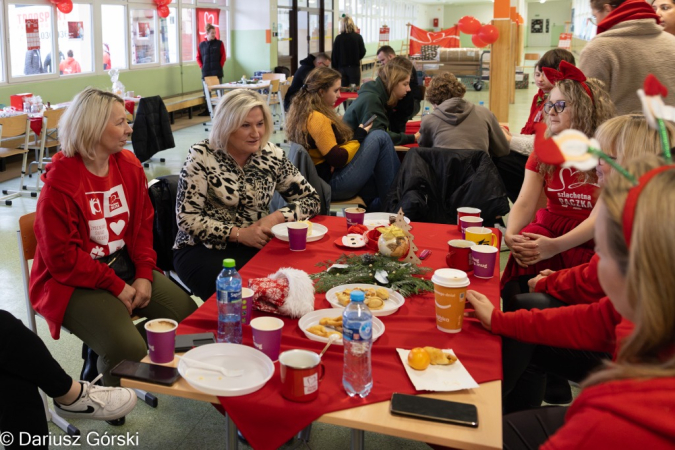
[(143, 42), (370, 15), (168, 38), (32, 39), (188, 41), (114, 34), (75, 41)]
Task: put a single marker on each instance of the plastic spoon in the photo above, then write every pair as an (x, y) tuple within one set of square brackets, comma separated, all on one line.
[(331, 339), (204, 365)]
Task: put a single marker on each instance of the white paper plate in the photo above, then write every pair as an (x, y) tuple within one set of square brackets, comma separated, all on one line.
[(281, 232), (373, 220), (258, 369), (391, 305), (453, 377), (314, 317)]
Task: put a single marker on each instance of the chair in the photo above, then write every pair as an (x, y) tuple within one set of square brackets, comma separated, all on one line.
[(275, 98), (27, 247), (47, 139), (212, 97), (151, 129), (15, 127)]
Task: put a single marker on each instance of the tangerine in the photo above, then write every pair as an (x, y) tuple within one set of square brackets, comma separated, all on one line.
[(419, 358)]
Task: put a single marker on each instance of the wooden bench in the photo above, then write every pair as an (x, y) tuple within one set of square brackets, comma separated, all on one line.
[(183, 101)]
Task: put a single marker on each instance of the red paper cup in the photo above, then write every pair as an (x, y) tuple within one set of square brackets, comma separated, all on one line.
[(459, 255), (354, 216), (297, 236), (161, 339), (246, 305), (267, 335), (484, 259), (301, 372), (466, 211)]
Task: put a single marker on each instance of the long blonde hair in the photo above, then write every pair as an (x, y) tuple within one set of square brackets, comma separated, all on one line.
[(347, 25), (648, 268), (629, 136), (587, 113), (392, 73), (308, 100)]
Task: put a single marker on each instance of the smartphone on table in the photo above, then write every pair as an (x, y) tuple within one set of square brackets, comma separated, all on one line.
[(152, 373), (186, 342), (434, 409)]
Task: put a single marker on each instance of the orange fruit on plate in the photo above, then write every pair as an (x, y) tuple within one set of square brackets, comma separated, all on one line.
[(419, 359)]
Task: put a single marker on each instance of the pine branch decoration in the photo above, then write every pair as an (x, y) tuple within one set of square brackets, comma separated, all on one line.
[(404, 278)]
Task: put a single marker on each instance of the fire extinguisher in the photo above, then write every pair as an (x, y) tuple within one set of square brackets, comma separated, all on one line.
[(435, 22)]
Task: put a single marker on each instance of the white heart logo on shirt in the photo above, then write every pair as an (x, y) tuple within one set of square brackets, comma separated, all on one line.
[(118, 226), (97, 251)]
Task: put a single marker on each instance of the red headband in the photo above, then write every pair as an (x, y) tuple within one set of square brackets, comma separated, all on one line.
[(568, 71), (632, 200)]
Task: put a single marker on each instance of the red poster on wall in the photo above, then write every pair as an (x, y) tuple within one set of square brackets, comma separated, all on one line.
[(205, 16), (32, 34)]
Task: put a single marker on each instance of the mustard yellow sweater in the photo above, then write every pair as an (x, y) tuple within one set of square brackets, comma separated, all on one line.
[(325, 146)]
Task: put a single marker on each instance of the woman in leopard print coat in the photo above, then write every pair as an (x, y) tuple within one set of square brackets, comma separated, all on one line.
[(225, 189)]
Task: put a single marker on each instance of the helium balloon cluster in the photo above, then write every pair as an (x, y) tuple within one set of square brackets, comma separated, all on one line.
[(65, 6), (163, 8), (481, 35)]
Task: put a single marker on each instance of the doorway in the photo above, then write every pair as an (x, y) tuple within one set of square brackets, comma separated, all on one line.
[(304, 27)]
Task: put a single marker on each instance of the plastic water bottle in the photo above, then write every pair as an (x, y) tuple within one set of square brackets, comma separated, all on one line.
[(228, 290), (357, 330), (426, 111), (481, 103)]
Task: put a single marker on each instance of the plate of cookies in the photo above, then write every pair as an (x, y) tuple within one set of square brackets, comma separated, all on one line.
[(320, 324), (381, 301)]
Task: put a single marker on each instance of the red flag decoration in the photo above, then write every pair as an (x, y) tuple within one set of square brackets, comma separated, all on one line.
[(445, 38)]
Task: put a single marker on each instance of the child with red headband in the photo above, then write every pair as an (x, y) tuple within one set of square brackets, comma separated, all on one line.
[(552, 240), (628, 403)]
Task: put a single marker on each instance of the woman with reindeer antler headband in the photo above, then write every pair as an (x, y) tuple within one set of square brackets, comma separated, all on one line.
[(552, 240)]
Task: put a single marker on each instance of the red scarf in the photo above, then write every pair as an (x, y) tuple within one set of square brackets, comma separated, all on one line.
[(629, 10)]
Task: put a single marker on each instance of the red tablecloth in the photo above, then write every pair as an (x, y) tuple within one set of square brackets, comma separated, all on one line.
[(345, 96), (414, 325), (130, 106), (412, 127), (36, 125)]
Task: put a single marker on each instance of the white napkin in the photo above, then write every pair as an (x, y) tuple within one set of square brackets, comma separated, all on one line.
[(453, 377)]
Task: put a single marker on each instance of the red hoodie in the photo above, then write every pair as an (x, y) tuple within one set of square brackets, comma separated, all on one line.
[(578, 284), (629, 10), (62, 262)]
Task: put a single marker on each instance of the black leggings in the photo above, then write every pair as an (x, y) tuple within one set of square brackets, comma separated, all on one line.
[(198, 266), (350, 75), (25, 366), (526, 365), (528, 430)]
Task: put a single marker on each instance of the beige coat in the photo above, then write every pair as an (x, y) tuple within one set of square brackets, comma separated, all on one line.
[(624, 55)]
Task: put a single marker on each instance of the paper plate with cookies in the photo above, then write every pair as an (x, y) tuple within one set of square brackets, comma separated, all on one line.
[(319, 325), (381, 301)]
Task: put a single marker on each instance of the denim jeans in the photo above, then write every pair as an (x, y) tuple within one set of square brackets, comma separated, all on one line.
[(370, 173)]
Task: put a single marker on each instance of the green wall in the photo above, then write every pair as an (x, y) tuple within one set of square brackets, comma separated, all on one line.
[(253, 53)]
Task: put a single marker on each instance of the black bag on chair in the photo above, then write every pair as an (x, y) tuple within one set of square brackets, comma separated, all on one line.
[(163, 191)]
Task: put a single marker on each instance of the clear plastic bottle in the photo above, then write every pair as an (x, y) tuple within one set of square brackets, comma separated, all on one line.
[(357, 329), (228, 290), (426, 111), (481, 103)]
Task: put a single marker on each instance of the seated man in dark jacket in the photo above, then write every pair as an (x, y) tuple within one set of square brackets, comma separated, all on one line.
[(306, 66), (409, 106)]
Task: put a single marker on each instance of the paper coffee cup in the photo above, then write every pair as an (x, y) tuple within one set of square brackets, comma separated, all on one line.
[(450, 291)]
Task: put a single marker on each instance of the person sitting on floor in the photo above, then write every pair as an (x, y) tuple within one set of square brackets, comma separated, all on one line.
[(94, 266), (628, 403), (560, 235), (26, 365), (353, 163), (380, 97), (225, 189), (458, 123), (306, 66)]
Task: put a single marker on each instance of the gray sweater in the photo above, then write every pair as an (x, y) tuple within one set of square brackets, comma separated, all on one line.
[(459, 124), (624, 55)]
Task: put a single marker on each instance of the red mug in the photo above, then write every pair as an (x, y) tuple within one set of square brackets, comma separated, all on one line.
[(466, 211), (301, 373), (459, 256)]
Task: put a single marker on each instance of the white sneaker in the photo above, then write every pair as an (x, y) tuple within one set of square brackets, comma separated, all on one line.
[(99, 402)]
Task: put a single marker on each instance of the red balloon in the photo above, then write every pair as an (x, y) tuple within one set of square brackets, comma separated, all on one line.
[(163, 11), (469, 25), (162, 2), (488, 34), (477, 42), (65, 6)]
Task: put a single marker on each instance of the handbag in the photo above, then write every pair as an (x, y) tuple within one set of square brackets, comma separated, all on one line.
[(121, 263)]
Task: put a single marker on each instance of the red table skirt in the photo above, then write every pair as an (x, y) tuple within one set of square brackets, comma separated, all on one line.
[(413, 325), (36, 125), (412, 127), (345, 96), (130, 106)]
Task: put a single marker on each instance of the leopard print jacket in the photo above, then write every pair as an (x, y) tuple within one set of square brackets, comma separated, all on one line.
[(215, 194)]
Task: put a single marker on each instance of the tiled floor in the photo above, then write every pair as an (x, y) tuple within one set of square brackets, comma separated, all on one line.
[(178, 423)]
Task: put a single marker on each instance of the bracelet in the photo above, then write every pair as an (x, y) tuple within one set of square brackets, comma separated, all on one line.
[(237, 236)]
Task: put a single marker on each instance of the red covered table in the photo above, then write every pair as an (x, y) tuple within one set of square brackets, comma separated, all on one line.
[(412, 326), (344, 96)]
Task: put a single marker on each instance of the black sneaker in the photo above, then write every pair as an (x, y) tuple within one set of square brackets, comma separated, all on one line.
[(99, 402)]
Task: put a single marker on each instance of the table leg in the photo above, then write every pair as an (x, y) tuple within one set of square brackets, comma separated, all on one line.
[(358, 439), (231, 440)]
